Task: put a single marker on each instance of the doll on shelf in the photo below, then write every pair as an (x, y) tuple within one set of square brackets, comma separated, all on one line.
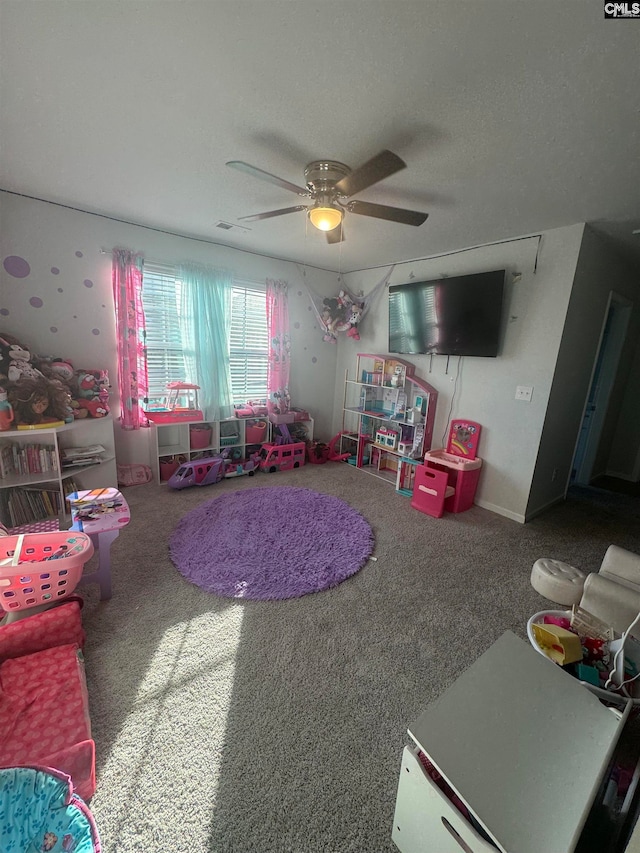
[(36, 400)]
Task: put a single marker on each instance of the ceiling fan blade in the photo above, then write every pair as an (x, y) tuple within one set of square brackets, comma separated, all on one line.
[(270, 213), (267, 176), (336, 235), (383, 211), (379, 167)]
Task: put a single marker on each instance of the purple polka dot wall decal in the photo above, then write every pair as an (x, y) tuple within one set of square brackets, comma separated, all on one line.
[(299, 293), (95, 331), (16, 266), (4, 312), (60, 290), (314, 360), (55, 270), (36, 302), (87, 282), (79, 255), (296, 325), (53, 329)]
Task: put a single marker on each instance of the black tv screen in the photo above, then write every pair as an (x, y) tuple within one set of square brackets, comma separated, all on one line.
[(452, 316)]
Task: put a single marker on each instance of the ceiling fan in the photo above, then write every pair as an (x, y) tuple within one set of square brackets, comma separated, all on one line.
[(329, 185)]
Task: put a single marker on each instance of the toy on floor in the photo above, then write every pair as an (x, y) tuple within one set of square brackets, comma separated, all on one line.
[(41, 812), (283, 453), (240, 468), (198, 472)]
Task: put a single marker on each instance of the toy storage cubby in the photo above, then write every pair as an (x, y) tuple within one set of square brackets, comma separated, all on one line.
[(182, 441), (31, 468), (388, 417)]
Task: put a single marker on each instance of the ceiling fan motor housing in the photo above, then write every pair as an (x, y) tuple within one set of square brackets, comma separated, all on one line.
[(322, 175)]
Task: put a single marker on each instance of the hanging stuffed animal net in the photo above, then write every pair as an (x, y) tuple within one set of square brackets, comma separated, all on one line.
[(344, 312)]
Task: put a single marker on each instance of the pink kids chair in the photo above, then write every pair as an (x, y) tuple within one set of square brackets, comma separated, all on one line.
[(430, 490)]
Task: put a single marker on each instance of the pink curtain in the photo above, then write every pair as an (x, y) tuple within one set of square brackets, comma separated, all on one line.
[(130, 326), (279, 347)]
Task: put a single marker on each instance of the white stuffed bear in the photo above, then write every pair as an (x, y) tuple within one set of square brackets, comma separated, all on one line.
[(20, 364)]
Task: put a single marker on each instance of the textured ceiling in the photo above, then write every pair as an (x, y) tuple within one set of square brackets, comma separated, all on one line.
[(512, 117)]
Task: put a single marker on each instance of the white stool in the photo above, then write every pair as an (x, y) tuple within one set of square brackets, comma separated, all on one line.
[(557, 581)]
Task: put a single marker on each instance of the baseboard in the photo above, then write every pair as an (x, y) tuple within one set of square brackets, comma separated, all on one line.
[(620, 476), (534, 512), (500, 510)]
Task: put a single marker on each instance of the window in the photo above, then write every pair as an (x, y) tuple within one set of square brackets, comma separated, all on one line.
[(161, 303), (248, 344), (249, 347)]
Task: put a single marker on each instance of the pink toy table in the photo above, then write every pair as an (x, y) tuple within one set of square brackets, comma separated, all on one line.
[(101, 514)]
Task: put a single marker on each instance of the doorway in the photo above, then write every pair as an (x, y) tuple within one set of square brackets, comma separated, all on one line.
[(614, 331)]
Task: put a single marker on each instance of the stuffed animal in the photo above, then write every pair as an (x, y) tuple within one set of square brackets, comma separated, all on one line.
[(354, 319), (92, 393), (20, 364)]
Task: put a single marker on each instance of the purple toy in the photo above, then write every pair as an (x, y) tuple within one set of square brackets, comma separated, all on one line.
[(198, 472)]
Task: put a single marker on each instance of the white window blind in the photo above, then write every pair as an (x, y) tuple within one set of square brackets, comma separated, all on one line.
[(161, 303), (248, 343)]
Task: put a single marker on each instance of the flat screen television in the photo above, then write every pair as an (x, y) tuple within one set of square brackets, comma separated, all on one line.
[(460, 315)]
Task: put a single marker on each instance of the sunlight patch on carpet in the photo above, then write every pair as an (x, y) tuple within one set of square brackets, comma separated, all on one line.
[(163, 762)]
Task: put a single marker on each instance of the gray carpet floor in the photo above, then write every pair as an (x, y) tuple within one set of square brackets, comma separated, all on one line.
[(278, 727)]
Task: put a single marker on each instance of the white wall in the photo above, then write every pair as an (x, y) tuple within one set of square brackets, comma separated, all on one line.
[(600, 269), (534, 313), (64, 305)]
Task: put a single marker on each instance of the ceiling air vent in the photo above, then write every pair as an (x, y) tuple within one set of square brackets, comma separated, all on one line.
[(228, 226)]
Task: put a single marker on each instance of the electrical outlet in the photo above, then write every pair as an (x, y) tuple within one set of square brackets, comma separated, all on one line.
[(524, 392)]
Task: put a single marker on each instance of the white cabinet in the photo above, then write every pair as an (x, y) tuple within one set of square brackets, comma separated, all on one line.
[(388, 417), (34, 483), (523, 745), (186, 440)]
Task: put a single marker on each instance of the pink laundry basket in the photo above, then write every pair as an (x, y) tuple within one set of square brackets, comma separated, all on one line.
[(41, 568)]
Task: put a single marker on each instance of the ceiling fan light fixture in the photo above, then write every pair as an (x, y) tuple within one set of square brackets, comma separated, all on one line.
[(325, 217)]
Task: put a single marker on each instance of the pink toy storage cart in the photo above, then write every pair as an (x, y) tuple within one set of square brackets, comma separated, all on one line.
[(448, 480), (40, 568)]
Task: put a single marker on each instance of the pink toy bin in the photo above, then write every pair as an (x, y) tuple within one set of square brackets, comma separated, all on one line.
[(255, 432), (200, 436), (41, 568), (168, 466)]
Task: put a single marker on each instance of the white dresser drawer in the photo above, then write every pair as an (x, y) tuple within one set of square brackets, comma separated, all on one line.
[(425, 820)]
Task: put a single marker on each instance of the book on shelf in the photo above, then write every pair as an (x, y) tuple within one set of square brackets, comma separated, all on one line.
[(82, 455), (25, 504), (18, 458)]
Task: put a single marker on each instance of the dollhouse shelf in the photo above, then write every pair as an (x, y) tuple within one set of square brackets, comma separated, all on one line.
[(387, 419)]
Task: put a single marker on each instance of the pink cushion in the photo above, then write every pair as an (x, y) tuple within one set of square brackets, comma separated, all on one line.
[(55, 627), (44, 714)]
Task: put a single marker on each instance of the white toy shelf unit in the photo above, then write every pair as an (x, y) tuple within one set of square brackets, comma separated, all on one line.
[(388, 417)]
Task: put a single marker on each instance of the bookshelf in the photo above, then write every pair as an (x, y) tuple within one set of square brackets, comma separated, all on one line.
[(34, 483)]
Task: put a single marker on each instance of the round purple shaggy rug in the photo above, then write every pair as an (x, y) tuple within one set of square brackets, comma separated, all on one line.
[(270, 543)]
